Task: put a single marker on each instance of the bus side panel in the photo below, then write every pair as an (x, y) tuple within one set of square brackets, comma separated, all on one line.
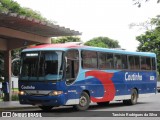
[(144, 82), (97, 83), (106, 86), (102, 87)]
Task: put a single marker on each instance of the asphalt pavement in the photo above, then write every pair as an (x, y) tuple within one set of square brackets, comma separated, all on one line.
[(14, 105), (151, 103), (149, 106)]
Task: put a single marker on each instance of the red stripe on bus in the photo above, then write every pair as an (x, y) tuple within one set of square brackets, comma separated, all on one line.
[(107, 83)]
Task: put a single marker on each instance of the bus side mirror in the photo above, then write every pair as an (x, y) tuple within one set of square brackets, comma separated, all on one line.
[(16, 67)]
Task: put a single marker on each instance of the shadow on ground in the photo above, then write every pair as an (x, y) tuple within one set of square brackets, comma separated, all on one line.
[(94, 110)]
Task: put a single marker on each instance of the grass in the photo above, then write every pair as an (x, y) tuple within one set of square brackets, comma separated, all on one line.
[(15, 98), (14, 95), (14, 89)]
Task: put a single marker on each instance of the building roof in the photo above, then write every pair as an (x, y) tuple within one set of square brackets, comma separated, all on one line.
[(34, 26)]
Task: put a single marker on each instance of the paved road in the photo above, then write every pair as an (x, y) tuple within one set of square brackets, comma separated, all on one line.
[(148, 105), (151, 103)]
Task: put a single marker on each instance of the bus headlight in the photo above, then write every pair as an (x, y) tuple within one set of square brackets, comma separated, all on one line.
[(55, 93), (22, 93)]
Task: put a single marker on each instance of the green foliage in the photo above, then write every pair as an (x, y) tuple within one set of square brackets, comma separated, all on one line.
[(150, 40), (104, 42), (139, 2), (15, 65), (14, 7), (10, 5), (15, 53), (66, 39), (15, 97), (15, 61)]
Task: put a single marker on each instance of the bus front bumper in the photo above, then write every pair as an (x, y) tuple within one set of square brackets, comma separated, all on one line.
[(43, 100)]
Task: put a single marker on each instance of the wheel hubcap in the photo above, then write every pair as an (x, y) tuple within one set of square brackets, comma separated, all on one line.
[(83, 101)]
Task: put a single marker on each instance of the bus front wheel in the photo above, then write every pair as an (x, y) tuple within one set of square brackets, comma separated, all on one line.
[(134, 98), (84, 102)]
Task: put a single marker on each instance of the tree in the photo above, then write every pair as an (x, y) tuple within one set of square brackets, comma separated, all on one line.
[(139, 2), (150, 40), (104, 42), (14, 7), (66, 39)]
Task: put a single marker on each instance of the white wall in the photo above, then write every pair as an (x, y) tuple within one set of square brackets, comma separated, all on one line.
[(15, 82)]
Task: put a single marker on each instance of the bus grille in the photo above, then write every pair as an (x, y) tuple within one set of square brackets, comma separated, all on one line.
[(37, 92)]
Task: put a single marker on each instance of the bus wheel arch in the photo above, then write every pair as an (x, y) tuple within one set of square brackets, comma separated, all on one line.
[(137, 91), (87, 92)]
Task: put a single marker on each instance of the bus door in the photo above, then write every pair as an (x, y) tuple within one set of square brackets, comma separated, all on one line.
[(72, 68)]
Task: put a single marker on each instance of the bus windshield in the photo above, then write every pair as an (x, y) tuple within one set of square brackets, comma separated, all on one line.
[(44, 65)]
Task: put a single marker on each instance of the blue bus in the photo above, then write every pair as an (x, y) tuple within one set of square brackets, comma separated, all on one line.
[(66, 74)]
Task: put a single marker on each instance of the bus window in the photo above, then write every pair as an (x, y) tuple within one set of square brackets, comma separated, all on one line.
[(89, 59), (72, 65), (143, 63), (51, 65), (137, 62), (118, 62), (153, 64), (124, 62), (110, 61), (148, 63), (131, 62), (102, 61)]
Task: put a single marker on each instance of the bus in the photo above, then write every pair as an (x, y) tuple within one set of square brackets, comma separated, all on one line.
[(53, 75)]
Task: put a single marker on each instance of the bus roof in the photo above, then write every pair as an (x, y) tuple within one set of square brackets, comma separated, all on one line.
[(66, 46)]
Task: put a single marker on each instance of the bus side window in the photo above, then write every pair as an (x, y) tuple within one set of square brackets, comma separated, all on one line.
[(110, 61), (143, 63), (89, 60), (72, 66), (124, 62), (131, 62), (118, 61), (137, 62), (102, 61), (153, 64), (148, 63)]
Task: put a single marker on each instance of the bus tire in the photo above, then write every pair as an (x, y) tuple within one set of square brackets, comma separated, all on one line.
[(46, 108), (103, 103), (134, 98), (84, 102)]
